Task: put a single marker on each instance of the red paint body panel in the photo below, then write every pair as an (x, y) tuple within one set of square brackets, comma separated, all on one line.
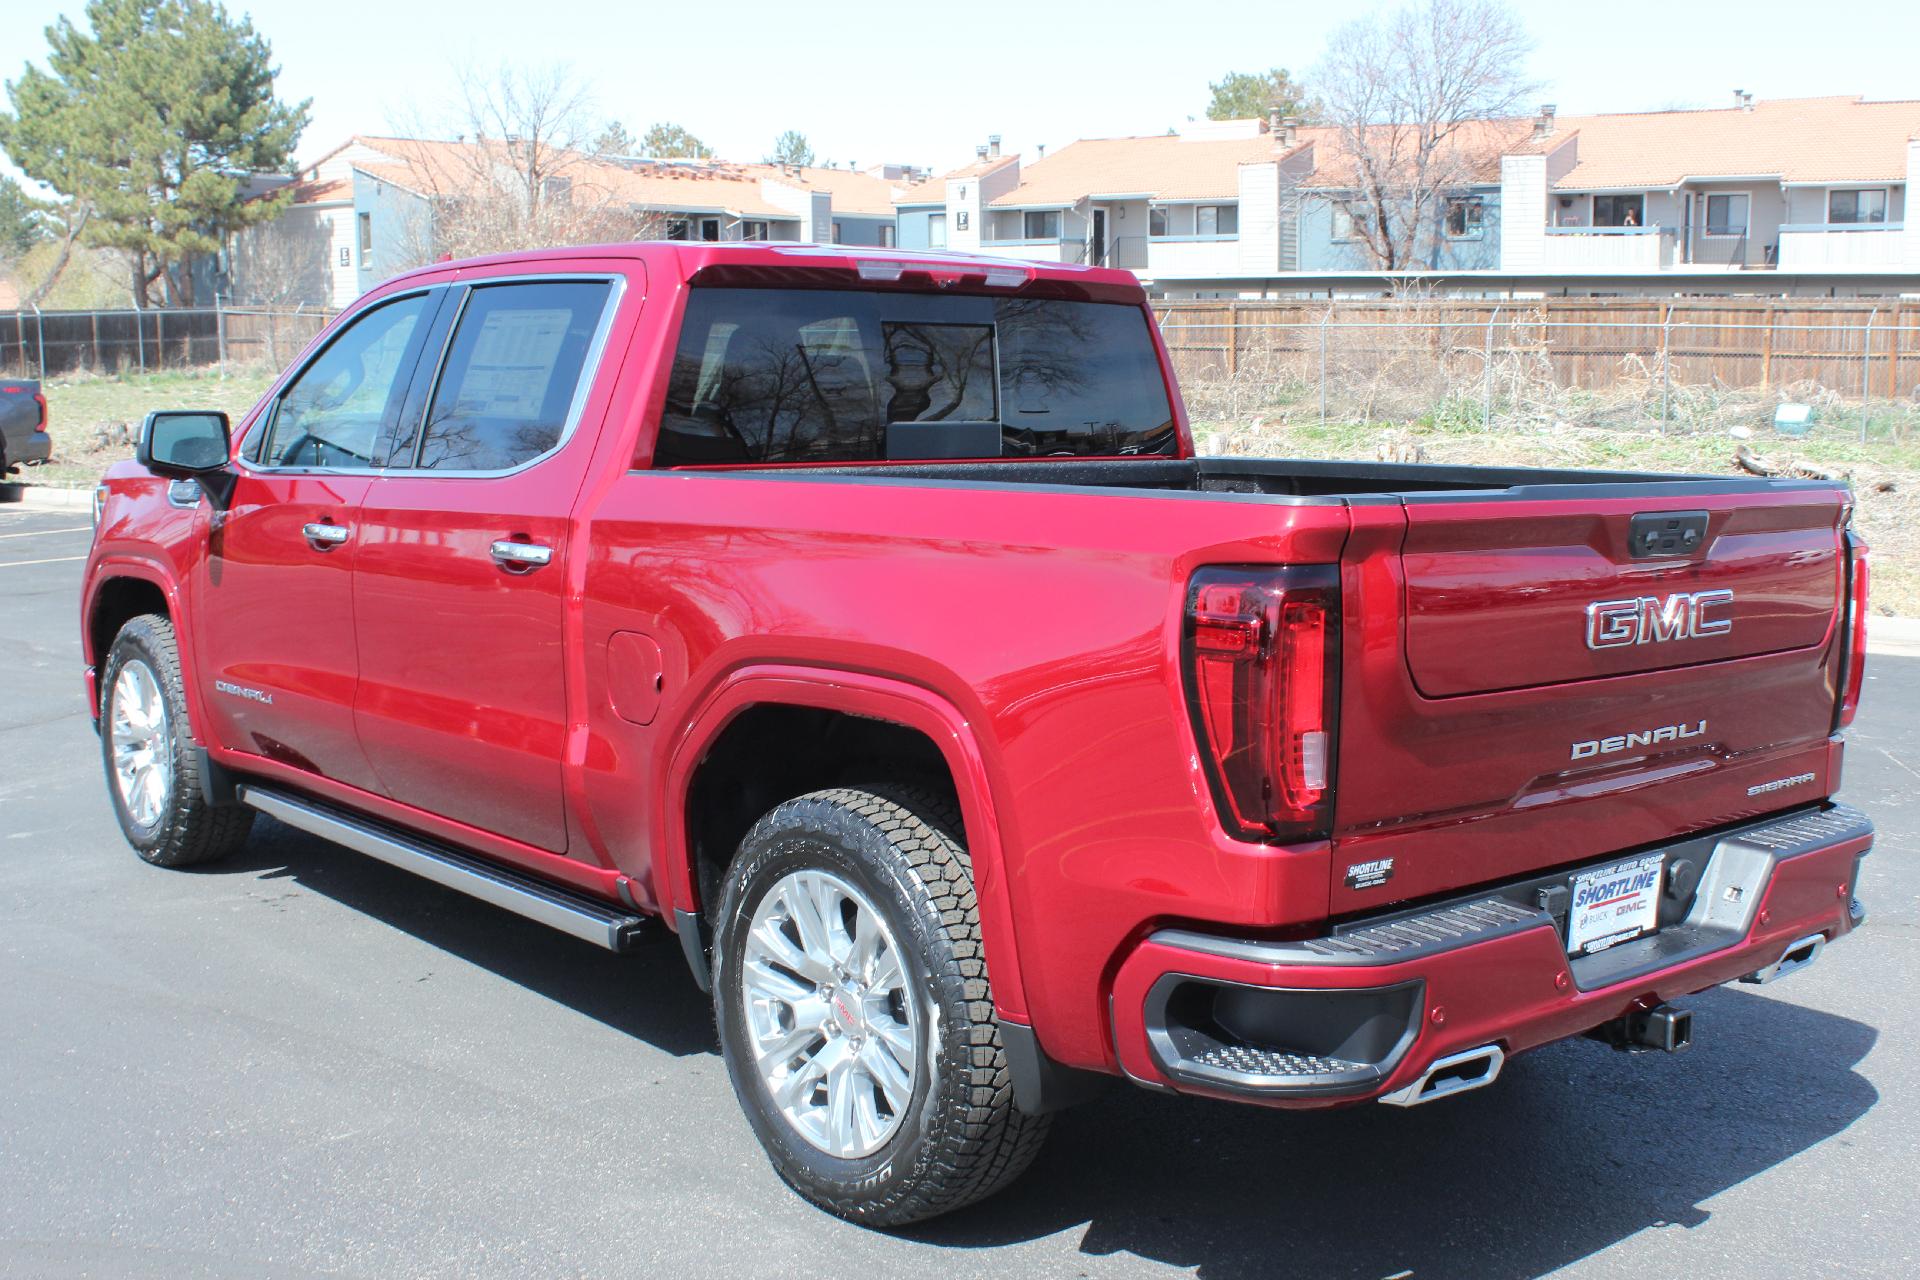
[(555, 720)]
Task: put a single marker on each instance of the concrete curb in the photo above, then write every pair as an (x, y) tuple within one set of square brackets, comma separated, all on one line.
[(36, 497), (1896, 637)]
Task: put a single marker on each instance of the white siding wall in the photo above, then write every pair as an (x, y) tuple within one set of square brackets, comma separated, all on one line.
[(1259, 251), (1523, 212)]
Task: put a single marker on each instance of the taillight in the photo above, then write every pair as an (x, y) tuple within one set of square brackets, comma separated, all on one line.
[(41, 400), (1856, 672), (1261, 653)]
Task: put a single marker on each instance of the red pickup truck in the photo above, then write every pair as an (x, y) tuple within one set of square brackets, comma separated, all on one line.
[(866, 618)]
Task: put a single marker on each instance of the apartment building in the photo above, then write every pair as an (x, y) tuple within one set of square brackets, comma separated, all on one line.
[(1801, 196), (376, 206)]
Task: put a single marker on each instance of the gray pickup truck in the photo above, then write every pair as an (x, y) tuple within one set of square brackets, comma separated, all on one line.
[(23, 425)]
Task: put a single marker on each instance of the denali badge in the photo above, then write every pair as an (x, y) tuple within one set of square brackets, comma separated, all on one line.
[(1644, 738), (241, 691), (1651, 620), (1370, 875)]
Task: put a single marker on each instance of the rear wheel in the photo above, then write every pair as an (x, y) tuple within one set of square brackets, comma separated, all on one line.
[(146, 743), (854, 1011)]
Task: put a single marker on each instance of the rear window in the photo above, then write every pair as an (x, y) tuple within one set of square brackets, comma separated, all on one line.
[(828, 375)]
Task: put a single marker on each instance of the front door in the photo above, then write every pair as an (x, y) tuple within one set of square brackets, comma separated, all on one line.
[(1099, 255), (460, 582), (273, 601)]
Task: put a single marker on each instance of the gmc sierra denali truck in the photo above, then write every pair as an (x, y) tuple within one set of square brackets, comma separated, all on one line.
[(866, 618)]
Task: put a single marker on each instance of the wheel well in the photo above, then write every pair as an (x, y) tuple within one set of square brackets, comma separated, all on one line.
[(772, 753), (120, 601)]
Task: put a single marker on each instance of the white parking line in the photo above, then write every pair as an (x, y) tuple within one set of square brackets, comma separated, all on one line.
[(21, 564), (41, 533)]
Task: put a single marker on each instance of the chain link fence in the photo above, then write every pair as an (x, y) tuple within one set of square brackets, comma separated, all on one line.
[(1517, 366), (46, 344)]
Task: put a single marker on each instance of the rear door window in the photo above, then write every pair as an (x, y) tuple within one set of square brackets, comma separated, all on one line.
[(793, 375), (507, 389)]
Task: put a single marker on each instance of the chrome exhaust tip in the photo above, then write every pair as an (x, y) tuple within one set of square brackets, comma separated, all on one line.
[(1455, 1073), (1792, 960)]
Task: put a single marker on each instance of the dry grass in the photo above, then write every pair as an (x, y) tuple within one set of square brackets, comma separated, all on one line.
[(1279, 415)]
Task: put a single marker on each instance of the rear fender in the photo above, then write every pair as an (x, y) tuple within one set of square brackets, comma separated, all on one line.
[(880, 698)]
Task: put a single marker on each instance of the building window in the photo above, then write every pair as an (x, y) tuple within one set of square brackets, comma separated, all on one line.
[(1217, 220), (753, 230), (1852, 207), (679, 229), (709, 229), (1727, 215), (1345, 219), (886, 235), (1466, 217), (1040, 224), (1156, 221), (937, 231), (366, 238), (1619, 211)]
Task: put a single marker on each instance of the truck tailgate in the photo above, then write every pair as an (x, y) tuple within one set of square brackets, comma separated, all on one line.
[(1546, 675)]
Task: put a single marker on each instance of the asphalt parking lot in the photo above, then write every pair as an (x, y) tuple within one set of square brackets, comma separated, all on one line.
[(307, 1063)]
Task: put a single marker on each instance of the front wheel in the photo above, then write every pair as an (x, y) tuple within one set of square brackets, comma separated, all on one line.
[(153, 772), (854, 1012)]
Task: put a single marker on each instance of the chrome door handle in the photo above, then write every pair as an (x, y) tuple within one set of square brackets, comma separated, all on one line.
[(325, 537), (521, 555)]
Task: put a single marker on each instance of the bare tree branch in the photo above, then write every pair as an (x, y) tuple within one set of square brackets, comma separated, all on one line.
[(1422, 101)]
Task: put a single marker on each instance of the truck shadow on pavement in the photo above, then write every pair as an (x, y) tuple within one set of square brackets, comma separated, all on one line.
[(1575, 1148), (645, 993)]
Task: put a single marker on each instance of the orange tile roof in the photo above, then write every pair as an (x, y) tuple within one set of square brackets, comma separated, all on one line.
[(340, 189), (1166, 166), (852, 191), (1815, 140), (1170, 167)]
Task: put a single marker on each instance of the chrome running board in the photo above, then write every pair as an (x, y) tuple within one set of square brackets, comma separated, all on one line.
[(589, 919)]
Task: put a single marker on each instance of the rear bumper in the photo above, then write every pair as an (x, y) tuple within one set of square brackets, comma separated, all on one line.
[(25, 448), (1368, 1010)]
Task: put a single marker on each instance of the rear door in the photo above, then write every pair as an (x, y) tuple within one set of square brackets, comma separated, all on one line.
[(1545, 675), (273, 606), (460, 585)]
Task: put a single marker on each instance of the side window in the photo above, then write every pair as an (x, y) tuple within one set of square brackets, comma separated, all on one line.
[(331, 414), (511, 373)]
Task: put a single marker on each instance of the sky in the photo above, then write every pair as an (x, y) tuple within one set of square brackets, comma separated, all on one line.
[(921, 86)]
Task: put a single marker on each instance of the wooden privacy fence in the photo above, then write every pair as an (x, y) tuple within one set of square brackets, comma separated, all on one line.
[(1859, 348)]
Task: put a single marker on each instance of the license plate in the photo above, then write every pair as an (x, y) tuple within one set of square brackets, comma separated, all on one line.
[(1614, 904)]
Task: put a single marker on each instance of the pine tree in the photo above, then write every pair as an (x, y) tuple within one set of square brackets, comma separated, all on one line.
[(150, 121)]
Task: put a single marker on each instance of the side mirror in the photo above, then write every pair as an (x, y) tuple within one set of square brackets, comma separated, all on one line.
[(189, 444), (184, 444)]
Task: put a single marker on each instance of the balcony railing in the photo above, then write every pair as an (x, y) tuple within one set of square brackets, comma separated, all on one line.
[(1868, 245), (1609, 248)]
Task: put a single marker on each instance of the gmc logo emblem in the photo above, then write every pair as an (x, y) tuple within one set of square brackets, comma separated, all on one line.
[(1652, 620)]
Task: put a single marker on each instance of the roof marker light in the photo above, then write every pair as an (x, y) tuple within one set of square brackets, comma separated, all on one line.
[(880, 269), (1006, 277)]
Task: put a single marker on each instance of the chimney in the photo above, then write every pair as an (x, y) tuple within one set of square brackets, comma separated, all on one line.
[(1289, 130), (1273, 120), (1543, 124), (980, 153), (1742, 100), (1041, 147), (993, 145)]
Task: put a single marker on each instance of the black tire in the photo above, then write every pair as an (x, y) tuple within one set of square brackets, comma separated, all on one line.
[(187, 830), (961, 1137)]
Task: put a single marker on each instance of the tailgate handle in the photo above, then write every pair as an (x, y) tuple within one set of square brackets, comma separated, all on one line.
[(1666, 535)]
